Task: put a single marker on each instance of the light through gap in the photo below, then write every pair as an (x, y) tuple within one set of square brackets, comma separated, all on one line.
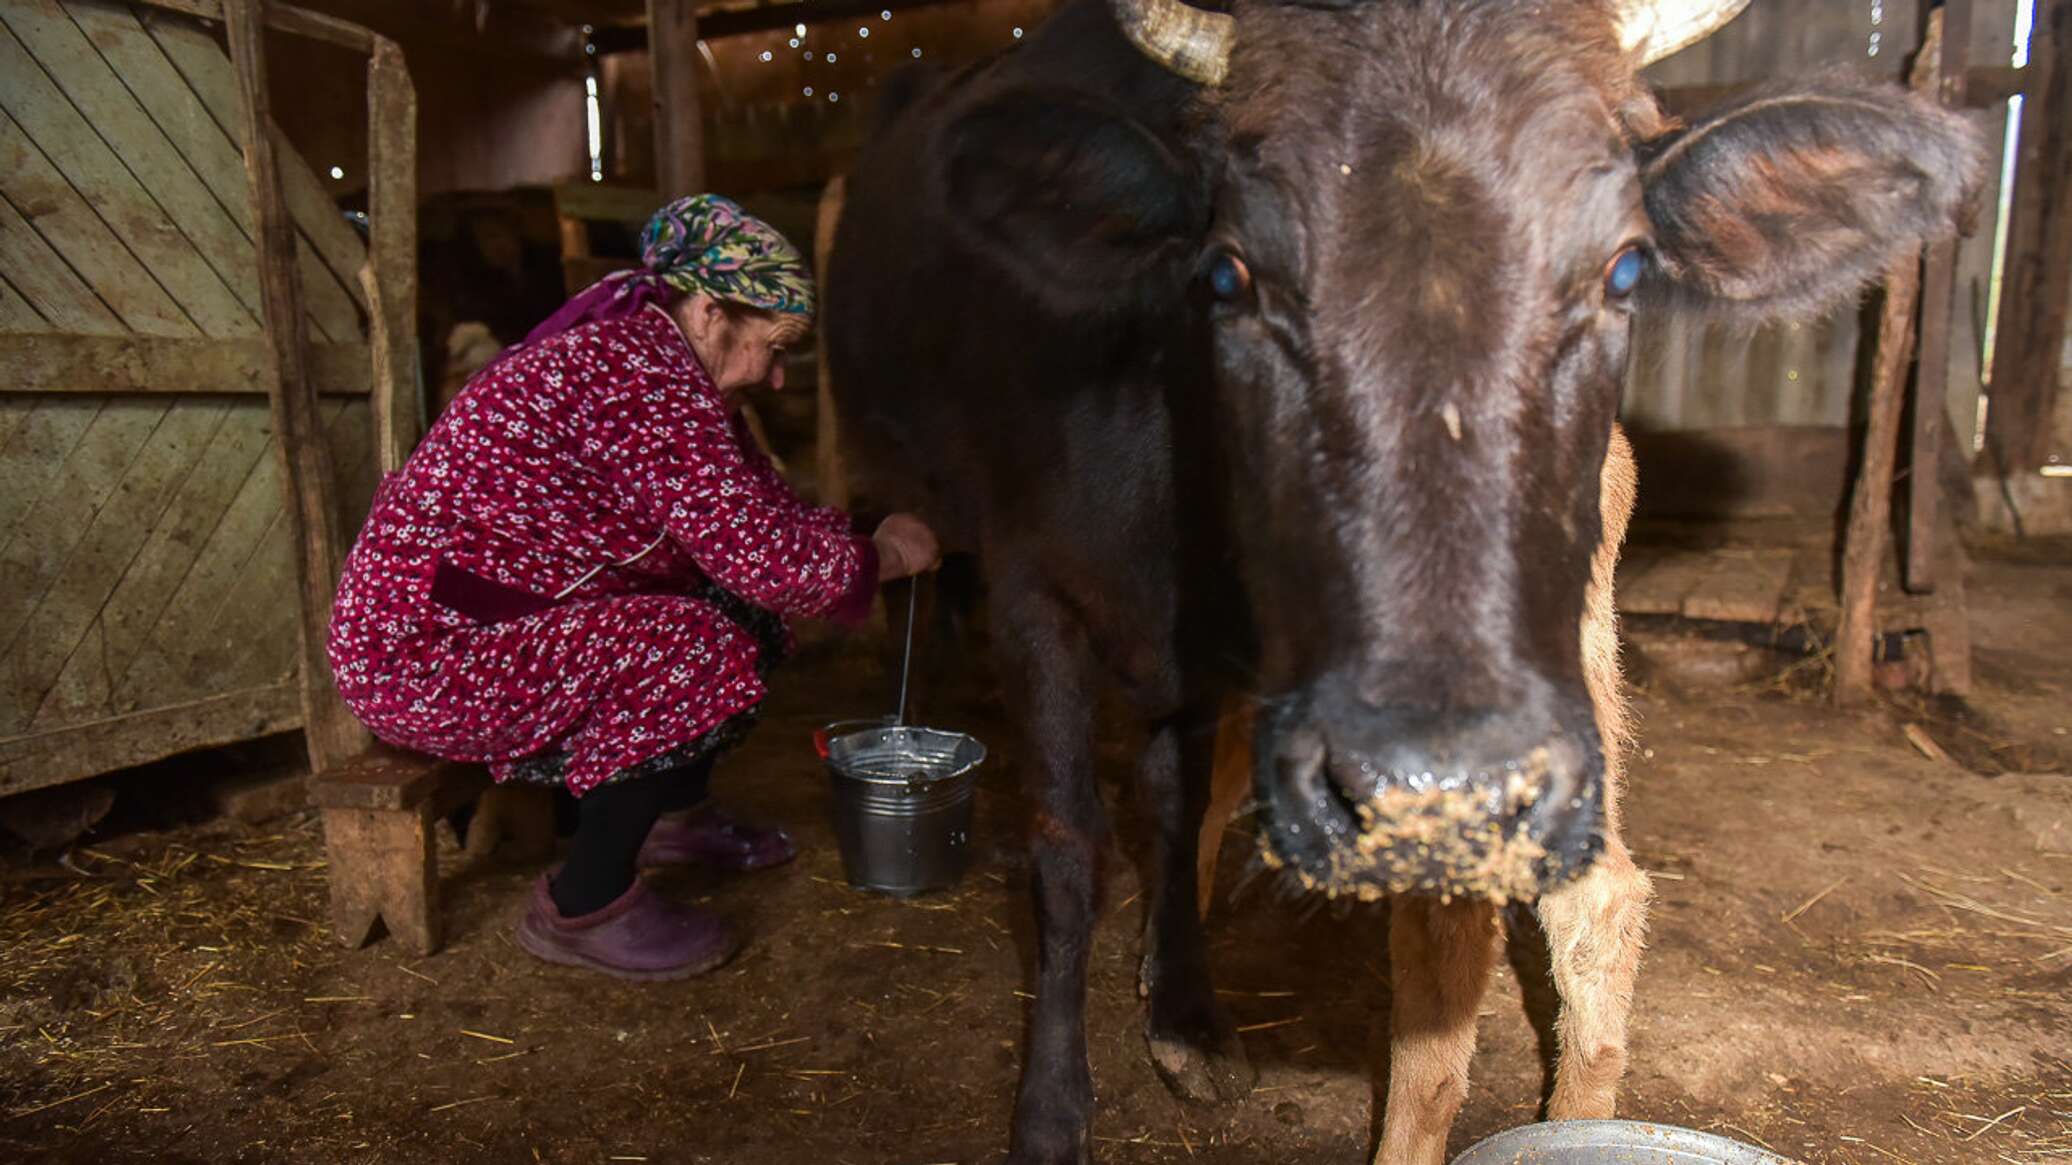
[(593, 117), (2024, 24)]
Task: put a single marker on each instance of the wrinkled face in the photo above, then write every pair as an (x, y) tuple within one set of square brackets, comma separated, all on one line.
[(1421, 279), (740, 348)]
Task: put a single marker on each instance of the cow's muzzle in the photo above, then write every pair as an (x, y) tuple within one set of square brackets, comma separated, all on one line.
[(1371, 802)]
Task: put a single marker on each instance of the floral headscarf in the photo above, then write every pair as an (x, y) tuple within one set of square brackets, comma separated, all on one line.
[(703, 243), (708, 243)]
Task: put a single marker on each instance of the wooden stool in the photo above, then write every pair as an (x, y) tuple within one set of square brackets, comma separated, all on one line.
[(379, 810)]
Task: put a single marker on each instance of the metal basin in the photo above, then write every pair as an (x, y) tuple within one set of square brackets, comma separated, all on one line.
[(1613, 1143)]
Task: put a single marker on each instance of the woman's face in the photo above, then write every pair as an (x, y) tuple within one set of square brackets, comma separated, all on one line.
[(739, 351)]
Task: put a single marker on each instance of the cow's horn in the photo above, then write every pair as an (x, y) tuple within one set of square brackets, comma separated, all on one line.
[(1188, 40), (1653, 29)]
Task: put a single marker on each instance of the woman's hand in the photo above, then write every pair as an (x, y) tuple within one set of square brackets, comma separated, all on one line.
[(906, 546)]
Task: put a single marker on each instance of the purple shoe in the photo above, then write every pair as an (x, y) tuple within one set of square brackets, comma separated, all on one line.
[(640, 935), (708, 837)]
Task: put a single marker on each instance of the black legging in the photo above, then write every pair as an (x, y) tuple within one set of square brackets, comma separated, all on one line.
[(612, 821)]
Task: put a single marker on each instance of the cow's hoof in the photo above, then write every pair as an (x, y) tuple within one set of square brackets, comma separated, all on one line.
[(1206, 1072)]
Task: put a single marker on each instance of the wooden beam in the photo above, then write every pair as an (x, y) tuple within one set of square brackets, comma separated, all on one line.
[(831, 476), (1929, 397), (300, 21), (1870, 504), (390, 275), (721, 23), (2031, 328), (520, 36), (307, 476), (67, 362), (1989, 86), (602, 202), (1868, 535), (100, 746), (679, 124)]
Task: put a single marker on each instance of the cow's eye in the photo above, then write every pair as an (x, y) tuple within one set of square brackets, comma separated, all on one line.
[(1229, 278), (1623, 274)]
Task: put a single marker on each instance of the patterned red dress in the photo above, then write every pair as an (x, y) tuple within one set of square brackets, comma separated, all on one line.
[(546, 575)]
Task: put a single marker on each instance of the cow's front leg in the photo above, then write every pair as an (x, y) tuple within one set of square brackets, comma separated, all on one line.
[(1439, 960), (1046, 652), (1596, 924), (1192, 1042), (1595, 927)]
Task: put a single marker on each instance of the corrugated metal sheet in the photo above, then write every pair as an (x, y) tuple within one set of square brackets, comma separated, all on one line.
[(1688, 375)]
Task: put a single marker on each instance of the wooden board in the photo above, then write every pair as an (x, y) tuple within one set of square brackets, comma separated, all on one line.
[(82, 750), (47, 284), (308, 475), (1745, 586), (176, 583), (61, 628), (192, 526), (60, 146), (148, 569), (56, 362), (15, 313), (207, 148), (48, 532), (204, 67), (2037, 303), (1659, 585), (72, 228), (390, 277), (106, 102), (32, 459)]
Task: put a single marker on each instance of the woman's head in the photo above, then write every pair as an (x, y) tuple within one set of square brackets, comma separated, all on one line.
[(740, 346), (745, 293)]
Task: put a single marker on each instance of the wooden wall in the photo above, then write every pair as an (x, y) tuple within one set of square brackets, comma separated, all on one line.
[(147, 578), (500, 102), (1689, 376)]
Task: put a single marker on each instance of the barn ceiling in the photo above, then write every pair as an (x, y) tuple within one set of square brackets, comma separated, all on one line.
[(633, 13)]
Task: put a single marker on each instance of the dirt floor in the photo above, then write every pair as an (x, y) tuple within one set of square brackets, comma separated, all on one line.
[(1859, 954)]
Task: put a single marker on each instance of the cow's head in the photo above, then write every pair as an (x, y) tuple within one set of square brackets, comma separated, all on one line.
[(1417, 232)]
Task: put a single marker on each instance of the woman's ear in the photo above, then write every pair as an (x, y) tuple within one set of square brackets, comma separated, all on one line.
[(700, 316)]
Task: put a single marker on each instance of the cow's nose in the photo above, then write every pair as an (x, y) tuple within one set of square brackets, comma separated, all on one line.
[(1477, 803)]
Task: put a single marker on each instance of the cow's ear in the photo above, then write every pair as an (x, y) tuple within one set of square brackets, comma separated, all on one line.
[(1787, 202), (1081, 203)]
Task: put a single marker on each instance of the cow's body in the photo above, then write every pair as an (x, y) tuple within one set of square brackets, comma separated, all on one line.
[(1299, 388)]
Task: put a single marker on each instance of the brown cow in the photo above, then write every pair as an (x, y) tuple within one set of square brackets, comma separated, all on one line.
[(1274, 355)]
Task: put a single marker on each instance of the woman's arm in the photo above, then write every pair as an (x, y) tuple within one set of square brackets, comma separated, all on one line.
[(760, 465), (681, 461)]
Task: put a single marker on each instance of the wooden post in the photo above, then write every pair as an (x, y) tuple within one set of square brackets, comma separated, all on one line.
[(1870, 504), (831, 477), (1930, 395), (2039, 256), (679, 123), (307, 478), (390, 276)]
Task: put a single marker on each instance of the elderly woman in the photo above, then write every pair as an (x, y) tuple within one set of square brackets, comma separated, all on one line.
[(583, 574)]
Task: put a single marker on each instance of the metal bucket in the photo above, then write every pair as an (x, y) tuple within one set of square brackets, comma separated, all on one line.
[(902, 803), (1613, 1143)]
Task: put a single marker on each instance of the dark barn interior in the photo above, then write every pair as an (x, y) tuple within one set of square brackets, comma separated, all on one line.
[(251, 252)]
